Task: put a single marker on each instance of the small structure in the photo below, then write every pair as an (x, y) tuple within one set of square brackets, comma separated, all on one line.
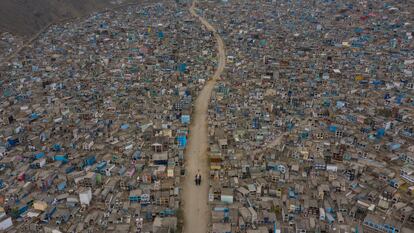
[(85, 196)]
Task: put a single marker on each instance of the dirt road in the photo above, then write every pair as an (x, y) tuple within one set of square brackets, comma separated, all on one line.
[(195, 198)]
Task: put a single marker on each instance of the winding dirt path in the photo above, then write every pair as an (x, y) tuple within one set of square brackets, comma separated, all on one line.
[(195, 198)]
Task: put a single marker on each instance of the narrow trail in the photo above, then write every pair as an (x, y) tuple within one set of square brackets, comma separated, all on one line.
[(195, 198)]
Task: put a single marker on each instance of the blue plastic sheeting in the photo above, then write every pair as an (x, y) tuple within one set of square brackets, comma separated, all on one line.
[(101, 166), (272, 166), (330, 218), (256, 123), (351, 118), (333, 128), (62, 158), (124, 126), (221, 209), (182, 141), (137, 155), (358, 30), (39, 155), (380, 133), (398, 100), (161, 35), (340, 104), (61, 186), (57, 147), (34, 116), (182, 68), (304, 135), (377, 82), (395, 146), (90, 160), (408, 132), (290, 126), (104, 25), (326, 103), (185, 119), (69, 169), (218, 109), (12, 142)]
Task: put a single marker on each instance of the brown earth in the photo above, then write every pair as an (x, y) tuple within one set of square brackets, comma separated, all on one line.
[(27, 17)]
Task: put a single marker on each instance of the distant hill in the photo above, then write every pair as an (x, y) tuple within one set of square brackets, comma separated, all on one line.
[(26, 17)]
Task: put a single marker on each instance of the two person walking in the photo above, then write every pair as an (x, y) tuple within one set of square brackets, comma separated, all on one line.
[(198, 178)]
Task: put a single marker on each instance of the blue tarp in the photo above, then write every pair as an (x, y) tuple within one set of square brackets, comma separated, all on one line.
[(57, 147), (101, 166), (182, 141), (380, 133), (290, 126), (161, 35), (272, 166), (304, 135), (90, 160), (256, 123), (408, 132), (185, 119), (104, 25), (377, 82), (182, 68), (61, 186), (137, 155), (62, 158), (395, 146), (34, 116), (326, 103), (124, 126), (330, 218), (399, 98), (69, 169), (340, 104), (292, 194), (221, 209), (358, 30), (12, 142), (39, 155)]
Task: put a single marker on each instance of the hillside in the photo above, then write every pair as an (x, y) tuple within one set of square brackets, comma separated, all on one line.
[(26, 17)]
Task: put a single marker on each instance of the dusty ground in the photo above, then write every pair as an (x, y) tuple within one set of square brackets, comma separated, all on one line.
[(27, 17), (195, 198)]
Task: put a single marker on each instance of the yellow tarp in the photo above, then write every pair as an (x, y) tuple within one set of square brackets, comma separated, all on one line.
[(359, 78), (215, 167)]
